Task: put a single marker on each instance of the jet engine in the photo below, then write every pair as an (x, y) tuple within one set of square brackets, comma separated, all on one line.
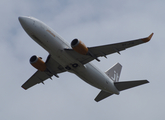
[(79, 47), (38, 63)]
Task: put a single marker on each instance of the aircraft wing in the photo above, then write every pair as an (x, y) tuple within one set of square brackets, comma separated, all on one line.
[(38, 77), (81, 58), (104, 50)]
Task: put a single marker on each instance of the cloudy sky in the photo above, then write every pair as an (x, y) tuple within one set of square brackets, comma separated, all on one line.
[(95, 23)]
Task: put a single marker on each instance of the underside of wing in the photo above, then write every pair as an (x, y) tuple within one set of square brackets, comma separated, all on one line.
[(81, 58), (117, 47), (37, 78), (99, 51), (53, 68)]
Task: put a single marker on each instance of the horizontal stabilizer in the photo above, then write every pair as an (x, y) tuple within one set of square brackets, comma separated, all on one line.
[(129, 84), (102, 95)]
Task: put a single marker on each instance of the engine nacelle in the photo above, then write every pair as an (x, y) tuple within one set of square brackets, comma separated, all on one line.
[(38, 63), (79, 47)]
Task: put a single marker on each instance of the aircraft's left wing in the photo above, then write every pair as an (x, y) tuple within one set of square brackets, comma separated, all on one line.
[(104, 50), (53, 68), (117, 47)]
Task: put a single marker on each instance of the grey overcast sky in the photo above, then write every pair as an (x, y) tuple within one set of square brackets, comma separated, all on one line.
[(94, 22)]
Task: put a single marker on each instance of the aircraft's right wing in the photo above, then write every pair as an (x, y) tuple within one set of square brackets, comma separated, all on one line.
[(38, 77), (53, 69)]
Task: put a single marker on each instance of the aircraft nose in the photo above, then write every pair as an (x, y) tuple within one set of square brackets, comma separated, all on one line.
[(25, 21), (22, 19)]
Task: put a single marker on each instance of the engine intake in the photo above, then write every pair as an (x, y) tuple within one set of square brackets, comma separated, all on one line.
[(79, 47), (38, 63)]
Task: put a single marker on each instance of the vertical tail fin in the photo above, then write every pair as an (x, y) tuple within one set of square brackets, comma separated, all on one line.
[(114, 72)]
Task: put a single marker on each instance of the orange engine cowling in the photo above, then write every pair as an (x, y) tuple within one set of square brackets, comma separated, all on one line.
[(38, 63), (79, 47)]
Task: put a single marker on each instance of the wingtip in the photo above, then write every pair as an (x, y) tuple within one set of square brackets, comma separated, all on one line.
[(24, 87), (147, 81), (148, 38)]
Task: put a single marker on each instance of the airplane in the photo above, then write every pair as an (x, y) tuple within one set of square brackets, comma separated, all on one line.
[(76, 58)]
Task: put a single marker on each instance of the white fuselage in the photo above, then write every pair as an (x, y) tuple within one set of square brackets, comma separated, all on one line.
[(55, 45)]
